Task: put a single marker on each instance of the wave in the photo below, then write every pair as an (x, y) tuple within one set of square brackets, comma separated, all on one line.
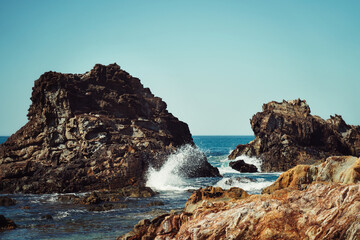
[(250, 185), (171, 176)]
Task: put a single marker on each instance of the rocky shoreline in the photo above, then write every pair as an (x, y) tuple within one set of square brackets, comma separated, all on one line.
[(317, 197), (325, 207)]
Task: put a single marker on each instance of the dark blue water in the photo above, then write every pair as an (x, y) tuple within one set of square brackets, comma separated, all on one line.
[(75, 222), (3, 139)]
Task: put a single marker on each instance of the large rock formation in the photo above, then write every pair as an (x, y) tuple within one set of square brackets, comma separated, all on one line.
[(286, 134), (101, 129), (312, 202)]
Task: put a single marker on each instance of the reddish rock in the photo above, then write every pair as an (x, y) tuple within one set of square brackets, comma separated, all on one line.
[(98, 130), (337, 169), (323, 211), (286, 134)]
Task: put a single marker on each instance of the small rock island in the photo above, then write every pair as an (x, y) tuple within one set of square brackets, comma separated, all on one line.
[(286, 134), (98, 130)]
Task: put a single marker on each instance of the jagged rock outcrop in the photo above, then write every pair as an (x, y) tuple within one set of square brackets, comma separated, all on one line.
[(286, 134), (101, 129), (336, 169)]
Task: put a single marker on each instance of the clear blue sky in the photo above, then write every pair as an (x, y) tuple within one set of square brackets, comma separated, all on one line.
[(214, 62)]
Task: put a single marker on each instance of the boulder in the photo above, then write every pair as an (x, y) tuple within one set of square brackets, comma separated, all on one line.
[(98, 130), (336, 169), (286, 134), (6, 224), (241, 166)]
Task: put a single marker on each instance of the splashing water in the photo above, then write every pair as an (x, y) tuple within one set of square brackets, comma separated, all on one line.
[(172, 175), (249, 160)]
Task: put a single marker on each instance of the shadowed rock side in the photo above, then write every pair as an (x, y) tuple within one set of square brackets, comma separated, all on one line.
[(101, 129), (286, 134)]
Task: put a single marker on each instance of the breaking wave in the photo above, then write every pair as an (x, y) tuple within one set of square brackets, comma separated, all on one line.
[(173, 174)]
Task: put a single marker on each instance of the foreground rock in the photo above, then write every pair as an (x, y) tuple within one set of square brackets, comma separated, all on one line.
[(286, 134), (337, 169), (98, 130), (241, 166), (6, 224), (323, 211)]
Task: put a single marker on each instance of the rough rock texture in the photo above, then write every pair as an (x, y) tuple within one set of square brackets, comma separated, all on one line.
[(213, 194), (101, 129), (241, 166), (323, 211), (6, 224), (286, 134), (337, 169)]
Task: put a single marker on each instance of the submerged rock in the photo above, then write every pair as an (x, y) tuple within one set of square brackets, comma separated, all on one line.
[(6, 224), (286, 134), (6, 201), (98, 130), (241, 166)]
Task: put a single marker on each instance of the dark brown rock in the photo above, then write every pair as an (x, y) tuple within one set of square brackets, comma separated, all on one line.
[(98, 130), (286, 134), (241, 166), (6, 224), (6, 201)]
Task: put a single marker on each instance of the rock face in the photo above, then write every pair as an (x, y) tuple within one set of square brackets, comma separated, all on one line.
[(337, 169), (241, 166), (101, 129), (286, 134), (323, 211)]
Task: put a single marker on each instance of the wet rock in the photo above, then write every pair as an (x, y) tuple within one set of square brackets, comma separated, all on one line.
[(286, 134), (6, 224), (241, 166), (47, 217), (337, 169), (92, 131), (105, 207), (6, 201), (155, 203)]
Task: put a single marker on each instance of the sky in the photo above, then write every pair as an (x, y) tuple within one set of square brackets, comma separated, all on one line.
[(215, 63)]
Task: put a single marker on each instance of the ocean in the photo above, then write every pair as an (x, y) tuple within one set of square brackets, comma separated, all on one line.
[(75, 222)]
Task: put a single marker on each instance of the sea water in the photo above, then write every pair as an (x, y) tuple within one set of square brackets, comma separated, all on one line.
[(75, 222)]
